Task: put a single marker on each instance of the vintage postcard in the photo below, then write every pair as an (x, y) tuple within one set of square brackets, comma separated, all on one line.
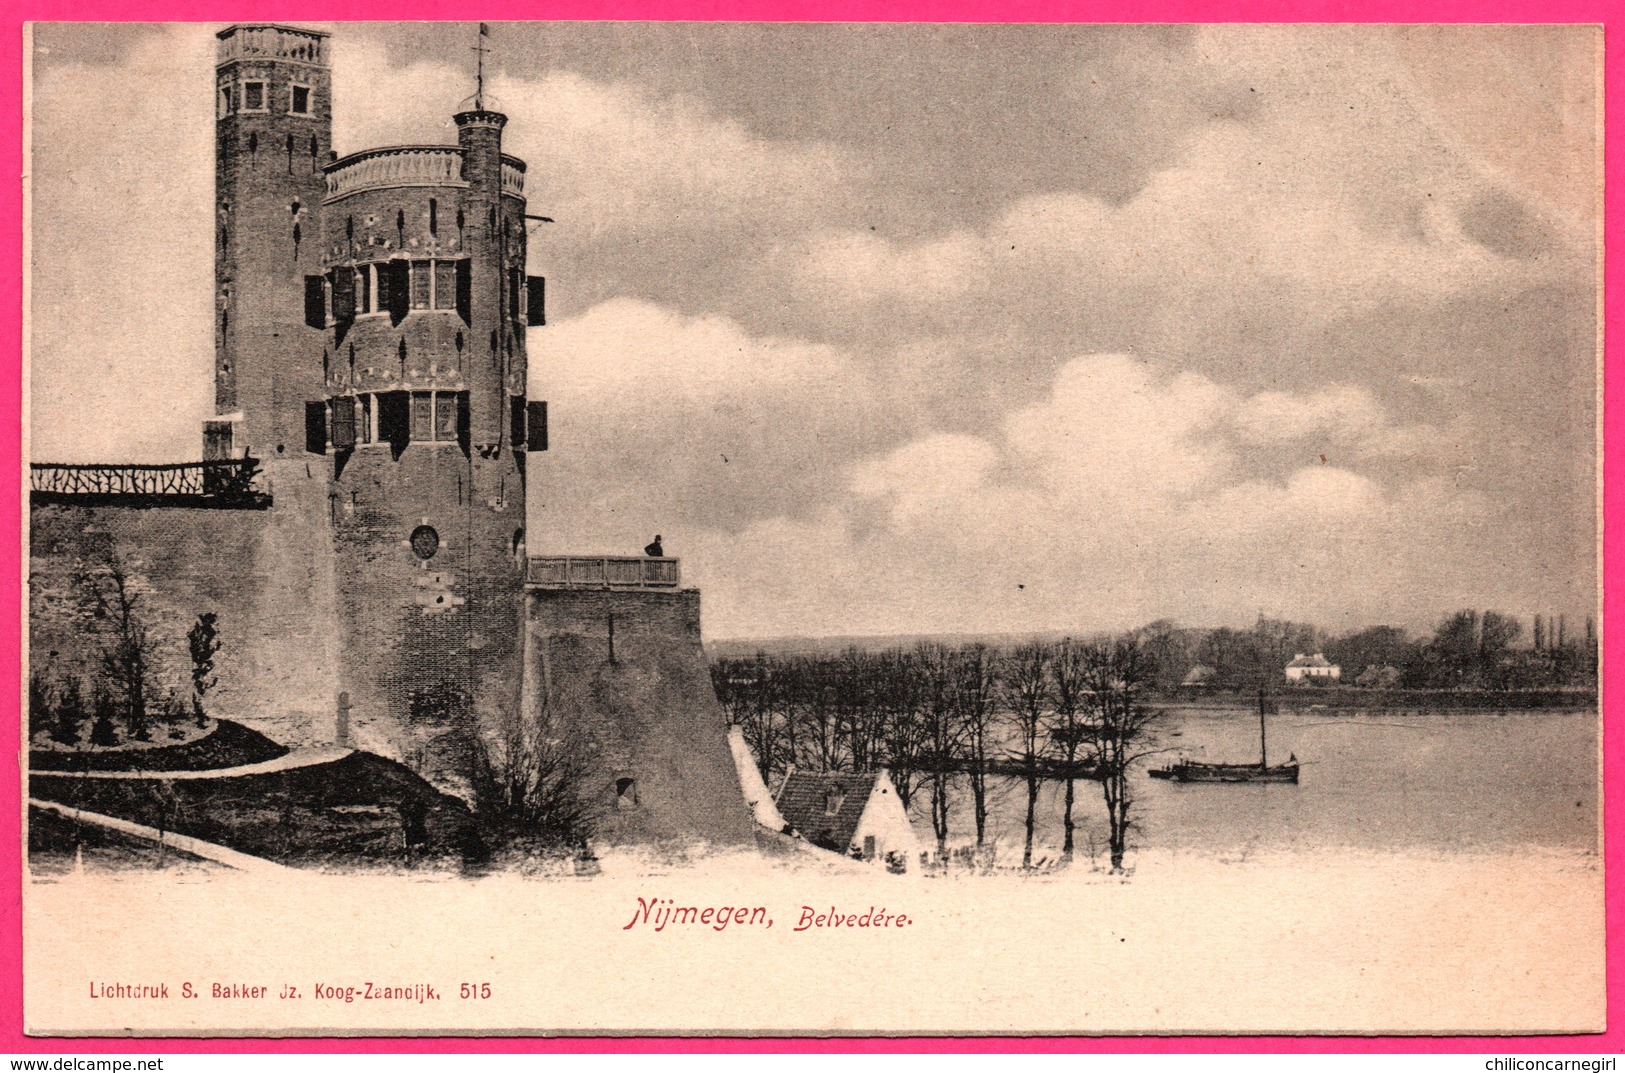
[(640, 528)]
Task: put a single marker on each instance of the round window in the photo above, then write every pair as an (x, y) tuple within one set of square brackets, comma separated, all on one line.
[(425, 542)]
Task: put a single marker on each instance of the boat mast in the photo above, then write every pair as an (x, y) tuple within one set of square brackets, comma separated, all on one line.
[(1263, 749)]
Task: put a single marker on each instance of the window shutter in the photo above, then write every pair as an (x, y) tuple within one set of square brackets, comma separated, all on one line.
[(216, 441), (343, 423), (395, 419), (315, 302), (398, 273), (516, 421), (316, 427), (536, 301), (465, 422), (465, 292), (343, 294), (536, 414)]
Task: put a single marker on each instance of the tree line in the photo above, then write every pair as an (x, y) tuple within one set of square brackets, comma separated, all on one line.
[(937, 716), (1468, 649)]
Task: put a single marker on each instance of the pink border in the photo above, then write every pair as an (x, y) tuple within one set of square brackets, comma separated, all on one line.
[(1608, 12)]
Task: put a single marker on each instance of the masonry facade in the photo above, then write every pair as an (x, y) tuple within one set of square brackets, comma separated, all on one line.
[(371, 367)]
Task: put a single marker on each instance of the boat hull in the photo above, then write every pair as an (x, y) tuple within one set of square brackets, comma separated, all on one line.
[(1188, 771)]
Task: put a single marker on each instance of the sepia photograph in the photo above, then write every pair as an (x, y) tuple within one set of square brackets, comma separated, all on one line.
[(814, 529)]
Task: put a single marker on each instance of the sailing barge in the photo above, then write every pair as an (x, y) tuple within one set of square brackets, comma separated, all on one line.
[(1195, 771)]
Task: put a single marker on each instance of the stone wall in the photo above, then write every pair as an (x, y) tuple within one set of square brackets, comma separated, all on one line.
[(647, 714), (268, 575)]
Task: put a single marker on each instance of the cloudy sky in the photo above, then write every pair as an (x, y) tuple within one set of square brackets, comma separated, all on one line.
[(951, 328)]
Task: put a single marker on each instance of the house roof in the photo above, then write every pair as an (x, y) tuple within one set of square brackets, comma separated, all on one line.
[(1316, 660), (1198, 674), (803, 802)]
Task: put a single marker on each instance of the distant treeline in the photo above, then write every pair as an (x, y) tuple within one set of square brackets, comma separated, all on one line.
[(1468, 650), (1357, 699)]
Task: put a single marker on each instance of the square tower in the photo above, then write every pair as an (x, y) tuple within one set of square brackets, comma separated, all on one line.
[(273, 136)]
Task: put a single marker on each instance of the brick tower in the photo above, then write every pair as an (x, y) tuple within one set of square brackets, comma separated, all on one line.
[(273, 135), (423, 254)]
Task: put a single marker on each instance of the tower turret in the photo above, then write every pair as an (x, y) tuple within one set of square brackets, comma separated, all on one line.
[(424, 362)]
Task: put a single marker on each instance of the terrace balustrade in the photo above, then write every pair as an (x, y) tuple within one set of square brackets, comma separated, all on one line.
[(602, 572)]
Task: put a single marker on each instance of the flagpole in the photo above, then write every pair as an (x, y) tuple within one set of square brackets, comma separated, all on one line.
[(479, 67)]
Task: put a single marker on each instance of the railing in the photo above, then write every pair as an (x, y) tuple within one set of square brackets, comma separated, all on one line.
[(602, 572), (275, 42), (404, 165), (227, 484), (513, 176)]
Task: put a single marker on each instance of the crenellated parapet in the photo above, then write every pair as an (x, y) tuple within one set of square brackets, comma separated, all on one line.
[(402, 165), (412, 165), (272, 42), (513, 177)]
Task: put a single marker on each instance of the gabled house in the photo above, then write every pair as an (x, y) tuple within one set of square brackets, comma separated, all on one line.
[(856, 815), (1315, 668)]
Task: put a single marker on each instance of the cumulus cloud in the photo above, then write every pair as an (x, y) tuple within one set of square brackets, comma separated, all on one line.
[(121, 347), (659, 419), (1332, 193), (606, 158), (1128, 493)]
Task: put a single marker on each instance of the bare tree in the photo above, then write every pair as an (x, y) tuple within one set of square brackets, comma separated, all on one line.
[(127, 660), (1025, 678), (975, 700), (939, 730), (531, 786), (902, 731), (749, 691), (1119, 729), (1066, 727), (858, 683)]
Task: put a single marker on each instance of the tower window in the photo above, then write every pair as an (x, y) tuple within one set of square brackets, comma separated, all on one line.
[(253, 96), (445, 415), (422, 283), (422, 416), (434, 217), (384, 299), (626, 794), (223, 103), (425, 542), (366, 289), (445, 284), (300, 103)]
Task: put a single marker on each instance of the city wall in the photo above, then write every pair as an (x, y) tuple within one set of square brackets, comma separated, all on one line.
[(644, 710), (268, 575)]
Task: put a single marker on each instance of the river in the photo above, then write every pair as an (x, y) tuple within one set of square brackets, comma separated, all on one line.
[(1431, 782)]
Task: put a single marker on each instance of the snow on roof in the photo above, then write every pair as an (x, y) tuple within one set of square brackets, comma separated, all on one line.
[(804, 802)]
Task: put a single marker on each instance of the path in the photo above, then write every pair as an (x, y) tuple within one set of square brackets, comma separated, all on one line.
[(298, 758), (208, 851)]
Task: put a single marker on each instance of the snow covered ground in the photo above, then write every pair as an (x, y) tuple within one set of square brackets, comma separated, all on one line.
[(1334, 941)]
